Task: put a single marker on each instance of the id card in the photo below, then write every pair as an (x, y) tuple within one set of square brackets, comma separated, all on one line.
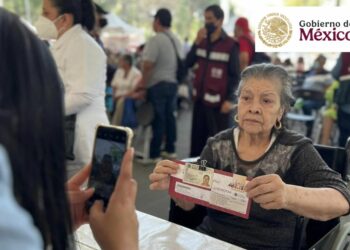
[(212, 188)]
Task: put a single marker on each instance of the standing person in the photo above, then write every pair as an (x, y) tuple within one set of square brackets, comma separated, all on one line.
[(159, 77), (31, 125), (247, 54), (100, 23), (82, 66), (246, 42), (317, 79), (216, 78), (300, 71)]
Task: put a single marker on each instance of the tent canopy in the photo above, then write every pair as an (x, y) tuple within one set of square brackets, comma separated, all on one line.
[(115, 23)]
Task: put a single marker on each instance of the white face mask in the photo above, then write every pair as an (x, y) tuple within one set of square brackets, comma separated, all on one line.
[(46, 28)]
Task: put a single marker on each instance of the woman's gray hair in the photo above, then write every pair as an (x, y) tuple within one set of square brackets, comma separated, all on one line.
[(270, 71)]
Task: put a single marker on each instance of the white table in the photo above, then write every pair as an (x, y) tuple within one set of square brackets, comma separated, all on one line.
[(158, 234)]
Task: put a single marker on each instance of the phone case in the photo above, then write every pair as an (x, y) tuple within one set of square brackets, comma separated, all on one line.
[(127, 130)]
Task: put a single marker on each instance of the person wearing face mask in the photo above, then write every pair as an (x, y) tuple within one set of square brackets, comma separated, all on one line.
[(101, 22), (215, 56), (81, 63)]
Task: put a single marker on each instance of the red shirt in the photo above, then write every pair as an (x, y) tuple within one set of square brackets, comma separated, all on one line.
[(246, 46)]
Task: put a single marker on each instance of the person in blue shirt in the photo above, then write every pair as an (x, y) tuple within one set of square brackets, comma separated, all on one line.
[(21, 232)]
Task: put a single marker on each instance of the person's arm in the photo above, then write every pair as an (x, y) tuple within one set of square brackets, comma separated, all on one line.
[(316, 203), (245, 47), (233, 73), (336, 71), (134, 83), (114, 82), (150, 55), (191, 57), (160, 179), (243, 60), (147, 70), (85, 71), (233, 80), (325, 195)]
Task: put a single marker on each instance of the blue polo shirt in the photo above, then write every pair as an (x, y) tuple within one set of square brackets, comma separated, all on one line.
[(17, 230)]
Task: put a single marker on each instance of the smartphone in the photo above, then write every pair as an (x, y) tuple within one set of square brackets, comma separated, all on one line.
[(111, 143)]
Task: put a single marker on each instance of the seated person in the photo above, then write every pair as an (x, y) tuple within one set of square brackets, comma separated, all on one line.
[(329, 114), (318, 79), (31, 125), (124, 83), (288, 176)]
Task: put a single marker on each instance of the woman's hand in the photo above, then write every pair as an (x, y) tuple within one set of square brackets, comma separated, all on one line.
[(160, 179), (117, 227), (269, 191), (161, 174), (78, 197)]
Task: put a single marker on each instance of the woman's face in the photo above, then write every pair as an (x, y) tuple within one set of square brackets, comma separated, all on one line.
[(51, 12), (123, 64), (259, 106)]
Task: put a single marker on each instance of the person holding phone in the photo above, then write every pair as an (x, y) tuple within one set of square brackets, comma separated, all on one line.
[(31, 125), (215, 55), (81, 64)]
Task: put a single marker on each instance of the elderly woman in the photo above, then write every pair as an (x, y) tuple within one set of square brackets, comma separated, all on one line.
[(288, 177)]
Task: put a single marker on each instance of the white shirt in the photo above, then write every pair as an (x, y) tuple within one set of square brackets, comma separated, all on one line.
[(236, 137), (126, 84), (82, 66)]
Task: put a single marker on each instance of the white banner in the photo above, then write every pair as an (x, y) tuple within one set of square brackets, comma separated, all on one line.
[(302, 29)]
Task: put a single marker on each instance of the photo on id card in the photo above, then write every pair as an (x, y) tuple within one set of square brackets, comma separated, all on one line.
[(198, 175)]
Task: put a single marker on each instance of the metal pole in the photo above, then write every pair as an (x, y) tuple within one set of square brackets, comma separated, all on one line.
[(27, 11)]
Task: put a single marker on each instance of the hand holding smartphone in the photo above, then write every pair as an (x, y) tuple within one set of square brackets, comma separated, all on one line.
[(111, 143)]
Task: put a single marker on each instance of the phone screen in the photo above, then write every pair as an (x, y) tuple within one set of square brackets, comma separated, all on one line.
[(110, 146)]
